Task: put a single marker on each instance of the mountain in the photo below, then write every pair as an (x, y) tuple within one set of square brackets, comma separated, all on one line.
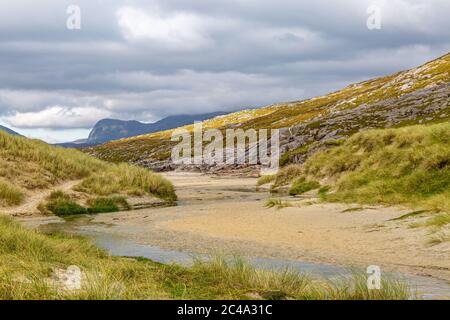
[(111, 129), (8, 130), (417, 96)]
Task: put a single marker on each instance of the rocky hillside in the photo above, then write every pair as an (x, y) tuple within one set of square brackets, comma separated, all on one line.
[(112, 129), (420, 95)]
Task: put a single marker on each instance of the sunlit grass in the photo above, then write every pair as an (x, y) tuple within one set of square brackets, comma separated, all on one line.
[(28, 165), (28, 259)]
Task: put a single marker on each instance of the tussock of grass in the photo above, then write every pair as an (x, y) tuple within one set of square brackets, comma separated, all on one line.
[(65, 207), (10, 195), (27, 259), (30, 164), (265, 180), (288, 174), (302, 185), (62, 204)]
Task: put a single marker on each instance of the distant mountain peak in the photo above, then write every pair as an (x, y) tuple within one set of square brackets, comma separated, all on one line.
[(108, 129), (8, 130)]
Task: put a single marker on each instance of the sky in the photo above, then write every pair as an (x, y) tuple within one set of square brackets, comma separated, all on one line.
[(147, 59)]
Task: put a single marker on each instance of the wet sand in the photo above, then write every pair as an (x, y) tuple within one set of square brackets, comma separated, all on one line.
[(227, 215)]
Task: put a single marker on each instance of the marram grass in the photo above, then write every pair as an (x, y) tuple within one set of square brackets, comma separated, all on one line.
[(29, 165), (27, 259), (405, 166)]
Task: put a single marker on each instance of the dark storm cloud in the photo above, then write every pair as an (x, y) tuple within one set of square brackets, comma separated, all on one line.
[(148, 59)]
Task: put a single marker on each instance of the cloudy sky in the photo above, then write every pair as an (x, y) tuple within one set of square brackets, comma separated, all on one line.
[(148, 59)]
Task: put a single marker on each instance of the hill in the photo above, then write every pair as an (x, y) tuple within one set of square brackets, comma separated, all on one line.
[(416, 96), (409, 165), (112, 129), (8, 130), (29, 166)]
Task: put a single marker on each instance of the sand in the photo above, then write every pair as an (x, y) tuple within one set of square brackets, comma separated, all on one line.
[(228, 215)]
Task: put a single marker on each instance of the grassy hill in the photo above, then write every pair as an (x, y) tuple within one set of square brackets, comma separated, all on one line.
[(410, 97), (409, 165), (27, 166)]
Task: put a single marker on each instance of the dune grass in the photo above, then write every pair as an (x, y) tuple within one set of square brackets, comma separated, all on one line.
[(107, 204), (408, 165), (28, 259), (10, 195), (302, 185), (405, 166), (265, 180), (29, 165), (131, 180)]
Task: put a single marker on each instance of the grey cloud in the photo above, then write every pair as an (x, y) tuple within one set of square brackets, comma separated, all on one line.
[(224, 55)]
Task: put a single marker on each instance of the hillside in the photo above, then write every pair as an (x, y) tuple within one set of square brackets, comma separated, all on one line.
[(420, 95), (409, 165), (28, 167), (8, 130), (112, 129)]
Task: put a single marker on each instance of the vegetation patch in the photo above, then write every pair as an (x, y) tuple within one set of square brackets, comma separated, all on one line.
[(303, 185), (29, 165), (61, 204), (265, 180), (123, 178), (10, 195), (409, 166), (278, 203), (107, 204)]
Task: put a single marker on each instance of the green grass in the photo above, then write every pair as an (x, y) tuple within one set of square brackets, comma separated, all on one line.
[(123, 178), (65, 207), (107, 204), (29, 165), (408, 166), (28, 259), (301, 185), (63, 204)]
